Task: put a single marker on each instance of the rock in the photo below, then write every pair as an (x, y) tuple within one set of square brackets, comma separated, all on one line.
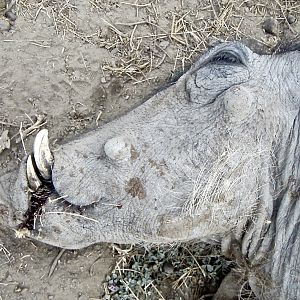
[(19, 289), (249, 3), (4, 141), (212, 41), (230, 287), (270, 26), (4, 25), (80, 112), (164, 44), (168, 268), (2, 6), (11, 16), (291, 19)]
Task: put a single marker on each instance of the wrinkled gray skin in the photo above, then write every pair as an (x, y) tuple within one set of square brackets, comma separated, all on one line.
[(214, 155)]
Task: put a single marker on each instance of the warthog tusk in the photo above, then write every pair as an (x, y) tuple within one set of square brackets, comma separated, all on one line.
[(42, 154)]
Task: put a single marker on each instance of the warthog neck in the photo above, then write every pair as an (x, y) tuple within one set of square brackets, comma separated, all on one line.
[(278, 245), (271, 243)]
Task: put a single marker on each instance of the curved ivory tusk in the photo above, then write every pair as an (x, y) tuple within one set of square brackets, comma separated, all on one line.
[(42, 154), (33, 180)]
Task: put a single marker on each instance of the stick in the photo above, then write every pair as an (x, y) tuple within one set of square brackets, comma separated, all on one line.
[(54, 264), (40, 121), (8, 124)]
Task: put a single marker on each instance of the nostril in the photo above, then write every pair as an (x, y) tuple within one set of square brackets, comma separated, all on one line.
[(118, 148)]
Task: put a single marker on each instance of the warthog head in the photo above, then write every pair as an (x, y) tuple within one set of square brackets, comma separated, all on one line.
[(216, 154)]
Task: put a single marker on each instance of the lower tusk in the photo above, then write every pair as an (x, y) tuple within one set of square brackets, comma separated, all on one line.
[(42, 154), (33, 180)]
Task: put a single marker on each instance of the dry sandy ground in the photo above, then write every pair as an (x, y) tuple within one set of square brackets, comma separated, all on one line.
[(72, 65)]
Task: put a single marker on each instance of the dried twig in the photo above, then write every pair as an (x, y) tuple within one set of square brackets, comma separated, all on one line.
[(40, 121), (137, 5), (8, 124), (55, 262), (117, 31)]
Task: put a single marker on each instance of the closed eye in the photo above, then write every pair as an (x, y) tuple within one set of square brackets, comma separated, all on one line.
[(225, 57)]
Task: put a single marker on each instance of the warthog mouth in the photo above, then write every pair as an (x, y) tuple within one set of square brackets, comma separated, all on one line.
[(39, 177), (39, 166)]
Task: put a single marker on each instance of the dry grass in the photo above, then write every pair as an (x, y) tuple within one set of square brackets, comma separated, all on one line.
[(195, 270), (6, 253), (154, 35)]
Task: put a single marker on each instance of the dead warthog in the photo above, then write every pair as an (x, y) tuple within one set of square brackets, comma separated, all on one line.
[(215, 154)]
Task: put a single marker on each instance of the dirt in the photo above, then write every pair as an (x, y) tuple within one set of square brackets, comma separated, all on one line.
[(73, 65), (135, 188)]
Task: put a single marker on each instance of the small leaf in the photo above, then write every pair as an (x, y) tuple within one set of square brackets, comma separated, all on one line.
[(209, 268)]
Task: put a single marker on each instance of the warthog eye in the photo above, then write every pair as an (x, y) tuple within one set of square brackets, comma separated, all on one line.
[(226, 57)]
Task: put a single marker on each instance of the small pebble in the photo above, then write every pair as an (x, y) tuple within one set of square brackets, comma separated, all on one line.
[(164, 44), (270, 26), (4, 141), (11, 16), (212, 41), (18, 289), (2, 5), (168, 268), (224, 2), (9, 278), (249, 3), (103, 80), (291, 18), (80, 112), (4, 25)]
